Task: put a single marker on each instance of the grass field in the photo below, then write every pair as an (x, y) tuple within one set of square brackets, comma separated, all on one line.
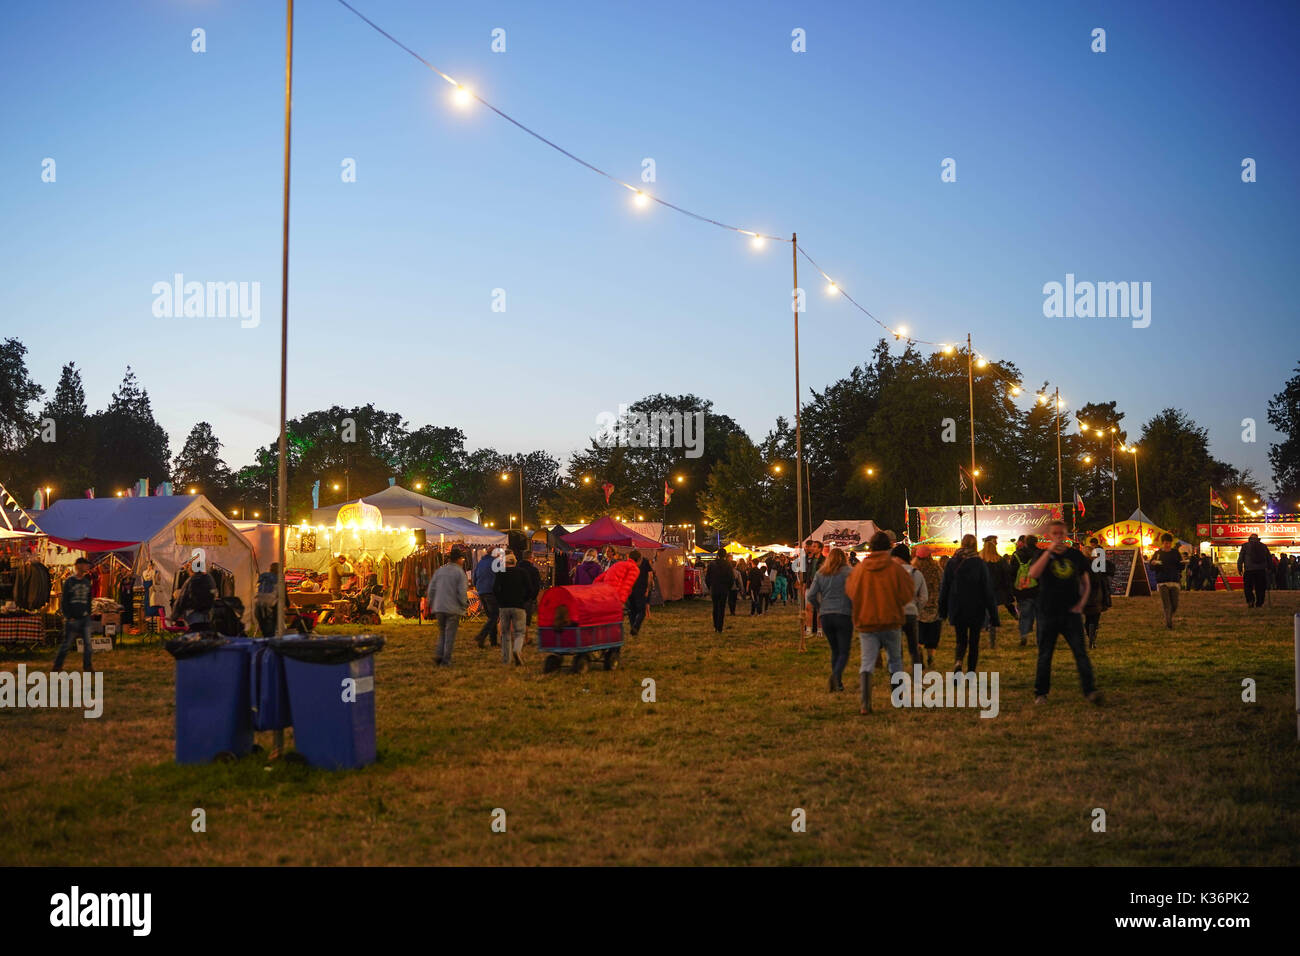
[(743, 731)]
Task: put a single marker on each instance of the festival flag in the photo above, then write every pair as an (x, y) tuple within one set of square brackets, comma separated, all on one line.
[(1216, 501), (38, 501), (142, 488), (608, 489), (668, 493), (315, 494), (90, 492), (961, 478), (1079, 509)]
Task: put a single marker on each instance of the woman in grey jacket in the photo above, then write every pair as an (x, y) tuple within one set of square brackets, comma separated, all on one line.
[(836, 612)]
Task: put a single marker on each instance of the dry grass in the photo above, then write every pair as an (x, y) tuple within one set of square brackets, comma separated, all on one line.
[(743, 731)]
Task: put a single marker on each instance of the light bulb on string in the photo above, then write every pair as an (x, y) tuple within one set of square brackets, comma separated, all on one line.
[(462, 96), (1015, 390), (832, 288), (641, 199), (982, 362), (902, 331), (757, 242)]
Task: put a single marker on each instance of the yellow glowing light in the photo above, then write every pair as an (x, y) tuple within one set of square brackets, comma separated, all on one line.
[(1015, 389), (871, 471), (419, 485), (757, 242), (1100, 433), (832, 288), (641, 199), (982, 363), (1087, 459), (902, 330), (257, 514), (947, 350), (586, 479), (463, 96), (777, 469), (1042, 399), (1060, 403), (977, 472), (680, 479), (1083, 426)]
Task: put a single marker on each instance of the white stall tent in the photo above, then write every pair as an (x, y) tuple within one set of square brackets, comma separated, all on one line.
[(166, 529)]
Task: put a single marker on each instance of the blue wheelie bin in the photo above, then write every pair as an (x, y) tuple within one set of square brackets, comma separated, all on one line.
[(331, 684), (213, 719)]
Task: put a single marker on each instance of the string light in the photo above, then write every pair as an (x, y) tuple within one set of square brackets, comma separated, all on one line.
[(463, 96)]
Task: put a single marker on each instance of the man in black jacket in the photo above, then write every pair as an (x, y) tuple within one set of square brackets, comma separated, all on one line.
[(719, 579), (76, 615), (1169, 571), (1253, 563), (513, 589), (196, 600)]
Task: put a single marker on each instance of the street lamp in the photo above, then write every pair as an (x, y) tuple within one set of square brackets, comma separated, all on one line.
[(1132, 450), (505, 476)]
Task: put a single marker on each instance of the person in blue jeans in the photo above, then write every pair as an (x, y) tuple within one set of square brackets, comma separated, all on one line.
[(1026, 553), (1063, 588), (448, 598), (827, 592), (76, 615)]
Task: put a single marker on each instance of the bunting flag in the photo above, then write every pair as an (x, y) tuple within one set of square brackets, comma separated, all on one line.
[(38, 501), (961, 478), (608, 489), (1216, 501), (315, 494), (142, 488), (25, 520), (391, 481), (90, 492), (668, 493)]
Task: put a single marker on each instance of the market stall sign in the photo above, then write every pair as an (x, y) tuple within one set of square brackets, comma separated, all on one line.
[(358, 514), (202, 532), (1008, 522), (1124, 534), (1272, 531)]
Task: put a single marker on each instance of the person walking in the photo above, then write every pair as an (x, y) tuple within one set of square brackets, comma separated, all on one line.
[(779, 583), (75, 605), (1026, 585), (1168, 562), (1000, 578), (812, 560), (1252, 564), (967, 600), (1282, 573), (719, 578), (484, 581), (1062, 572), (448, 598), (754, 585), (765, 588), (928, 623), (903, 555), (880, 591), (639, 598), (828, 587), (1098, 595), (512, 589)]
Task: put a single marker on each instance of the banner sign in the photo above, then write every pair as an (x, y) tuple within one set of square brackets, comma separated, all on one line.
[(1273, 530), (358, 514), (201, 532), (1008, 522), (683, 538)]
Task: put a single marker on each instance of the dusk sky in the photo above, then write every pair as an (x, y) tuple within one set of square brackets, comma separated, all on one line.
[(1117, 166)]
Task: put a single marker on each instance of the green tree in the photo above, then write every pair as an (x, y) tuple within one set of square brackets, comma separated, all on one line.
[(199, 465), (745, 499), (17, 423), (65, 462), (1284, 456), (128, 442)]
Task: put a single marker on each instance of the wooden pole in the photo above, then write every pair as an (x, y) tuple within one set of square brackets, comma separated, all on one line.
[(970, 382)]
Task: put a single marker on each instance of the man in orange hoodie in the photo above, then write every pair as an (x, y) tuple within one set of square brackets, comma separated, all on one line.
[(880, 590)]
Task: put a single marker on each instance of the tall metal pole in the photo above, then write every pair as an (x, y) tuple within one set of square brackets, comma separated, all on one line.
[(970, 382), (281, 592), (521, 494), (1137, 482), (1060, 492), (284, 323), (798, 436), (1112, 478)]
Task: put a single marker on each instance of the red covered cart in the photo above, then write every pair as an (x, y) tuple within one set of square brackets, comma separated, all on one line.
[(584, 621)]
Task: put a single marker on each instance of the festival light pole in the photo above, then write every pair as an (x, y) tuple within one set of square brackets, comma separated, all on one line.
[(505, 476)]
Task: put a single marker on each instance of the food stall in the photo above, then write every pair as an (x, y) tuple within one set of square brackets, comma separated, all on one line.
[(1226, 537)]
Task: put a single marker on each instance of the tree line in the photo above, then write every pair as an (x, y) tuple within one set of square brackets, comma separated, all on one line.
[(893, 432)]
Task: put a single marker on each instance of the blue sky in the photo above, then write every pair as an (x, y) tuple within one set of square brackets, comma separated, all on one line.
[(1115, 166)]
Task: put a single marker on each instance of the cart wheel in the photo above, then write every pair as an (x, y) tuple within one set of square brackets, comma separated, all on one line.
[(552, 663), (611, 658), (579, 663)]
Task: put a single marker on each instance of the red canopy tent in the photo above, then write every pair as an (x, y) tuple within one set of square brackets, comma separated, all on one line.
[(607, 531)]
